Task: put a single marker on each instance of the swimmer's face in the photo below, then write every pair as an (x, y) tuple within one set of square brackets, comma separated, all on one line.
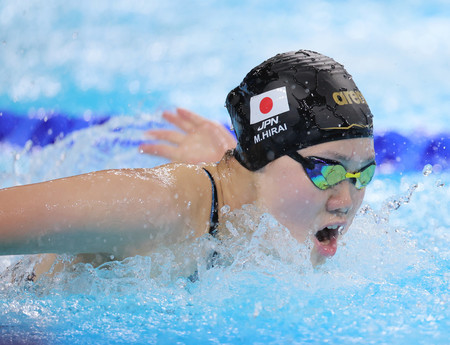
[(308, 212)]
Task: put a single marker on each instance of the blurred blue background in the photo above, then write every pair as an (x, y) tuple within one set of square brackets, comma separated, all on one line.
[(84, 61)]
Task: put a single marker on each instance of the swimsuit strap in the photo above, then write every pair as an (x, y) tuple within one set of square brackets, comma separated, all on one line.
[(214, 218)]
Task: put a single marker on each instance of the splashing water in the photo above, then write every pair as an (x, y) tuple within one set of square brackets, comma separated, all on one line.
[(388, 282)]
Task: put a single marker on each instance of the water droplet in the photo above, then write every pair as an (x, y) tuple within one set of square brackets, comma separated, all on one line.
[(258, 309), (440, 184), (225, 209), (427, 170), (394, 204), (28, 146), (231, 228)]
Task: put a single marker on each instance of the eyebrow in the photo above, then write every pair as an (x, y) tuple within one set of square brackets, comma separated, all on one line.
[(343, 158)]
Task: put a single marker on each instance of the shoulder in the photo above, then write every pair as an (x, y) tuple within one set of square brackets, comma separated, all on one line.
[(168, 176), (174, 175), (182, 192)]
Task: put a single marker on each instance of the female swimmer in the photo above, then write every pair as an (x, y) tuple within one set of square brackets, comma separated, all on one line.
[(304, 154)]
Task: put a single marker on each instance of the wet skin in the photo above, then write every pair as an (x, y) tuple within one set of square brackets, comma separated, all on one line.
[(119, 212), (303, 208)]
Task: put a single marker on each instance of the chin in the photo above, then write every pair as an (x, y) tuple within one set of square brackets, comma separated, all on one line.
[(316, 258)]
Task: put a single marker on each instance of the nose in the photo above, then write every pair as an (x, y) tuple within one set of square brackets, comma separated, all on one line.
[(341, 198)]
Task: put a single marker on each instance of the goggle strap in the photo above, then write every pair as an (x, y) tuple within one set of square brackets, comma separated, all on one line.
[(302, 160)]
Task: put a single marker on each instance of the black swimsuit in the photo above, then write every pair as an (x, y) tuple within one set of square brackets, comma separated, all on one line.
[(213, 224), (214, 218)]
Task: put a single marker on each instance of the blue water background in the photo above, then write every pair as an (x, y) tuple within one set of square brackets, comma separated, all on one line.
[(66, 66), (100, 73), (128, 57)]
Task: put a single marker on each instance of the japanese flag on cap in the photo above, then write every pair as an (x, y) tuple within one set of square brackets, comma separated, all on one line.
[(268, 104)]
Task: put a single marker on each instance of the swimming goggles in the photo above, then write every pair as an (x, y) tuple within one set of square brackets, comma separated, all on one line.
[(325, 173)]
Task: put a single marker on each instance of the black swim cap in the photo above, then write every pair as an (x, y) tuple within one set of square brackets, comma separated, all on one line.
[(292, 101)]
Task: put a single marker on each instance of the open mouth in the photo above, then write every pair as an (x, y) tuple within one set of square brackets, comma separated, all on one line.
[(326, 239), (328, 233)]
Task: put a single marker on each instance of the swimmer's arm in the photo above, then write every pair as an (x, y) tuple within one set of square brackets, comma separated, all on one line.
[(112, 211)]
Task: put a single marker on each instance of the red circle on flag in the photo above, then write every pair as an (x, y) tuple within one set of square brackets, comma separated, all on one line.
[(266, 105)]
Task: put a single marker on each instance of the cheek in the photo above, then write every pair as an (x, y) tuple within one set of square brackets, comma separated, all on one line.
[(357, 201), (295, 198), (358, 198), (302, 211), (302, 203)]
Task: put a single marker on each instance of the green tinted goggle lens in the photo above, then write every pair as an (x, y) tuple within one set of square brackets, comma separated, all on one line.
[(325, 173)]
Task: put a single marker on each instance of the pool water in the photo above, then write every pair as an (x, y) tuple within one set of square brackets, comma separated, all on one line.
[(72, 65), (387, 284)]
